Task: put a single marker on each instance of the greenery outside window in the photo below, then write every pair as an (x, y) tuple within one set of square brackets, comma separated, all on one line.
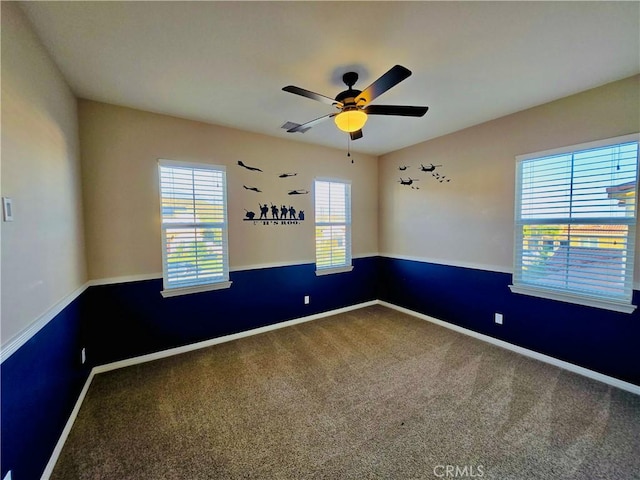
[(333, 226), (193, 200), (575, 223)]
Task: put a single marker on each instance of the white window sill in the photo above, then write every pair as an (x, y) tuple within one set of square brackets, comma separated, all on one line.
[(566, 297), (174, 292), (329, 271)]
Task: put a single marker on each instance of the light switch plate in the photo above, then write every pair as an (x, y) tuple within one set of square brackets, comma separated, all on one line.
[(7, 209)]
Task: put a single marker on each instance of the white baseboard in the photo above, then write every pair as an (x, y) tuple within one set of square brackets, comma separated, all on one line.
[(228, 338), (614, 382), (168, 353), (48, 470)]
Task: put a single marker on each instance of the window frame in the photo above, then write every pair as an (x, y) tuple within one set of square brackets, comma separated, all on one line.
[(521, 287), (348, 265), (219, 283)]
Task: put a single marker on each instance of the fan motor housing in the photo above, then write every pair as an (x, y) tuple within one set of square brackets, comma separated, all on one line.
[(348, 97)]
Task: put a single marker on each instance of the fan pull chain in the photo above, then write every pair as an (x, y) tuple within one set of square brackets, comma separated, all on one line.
[(349, 148)]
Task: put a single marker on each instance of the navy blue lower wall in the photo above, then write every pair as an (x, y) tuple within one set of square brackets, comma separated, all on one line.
[(600, 340), (132, 319), (43, 379), (41, 383)]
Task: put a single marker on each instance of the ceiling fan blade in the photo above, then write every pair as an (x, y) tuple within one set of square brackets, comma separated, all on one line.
[(312, 95), (306, 126), (356, 135), (401, 110), (393, 77)]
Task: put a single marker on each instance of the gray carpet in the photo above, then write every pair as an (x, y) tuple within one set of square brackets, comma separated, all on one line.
[(369, 394)]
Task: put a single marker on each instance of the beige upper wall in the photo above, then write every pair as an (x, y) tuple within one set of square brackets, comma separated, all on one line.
[(43, 248), (120, 150), (469, 221)]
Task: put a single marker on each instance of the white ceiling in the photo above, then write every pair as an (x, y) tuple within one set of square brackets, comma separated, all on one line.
[(226, 62)]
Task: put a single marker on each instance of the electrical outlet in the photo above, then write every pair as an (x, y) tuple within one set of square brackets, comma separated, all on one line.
[(306, 299), (498, 318), (83, 354)]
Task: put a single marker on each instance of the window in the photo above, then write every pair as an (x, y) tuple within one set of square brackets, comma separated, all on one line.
[(194, 227), (576, 223), (333, 226)]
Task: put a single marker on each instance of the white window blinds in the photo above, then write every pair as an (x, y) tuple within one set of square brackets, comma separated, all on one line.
[(576, 222), (333, 224), (194, 225)]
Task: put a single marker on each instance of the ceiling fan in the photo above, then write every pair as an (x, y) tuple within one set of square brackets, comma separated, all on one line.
[(354, 105)]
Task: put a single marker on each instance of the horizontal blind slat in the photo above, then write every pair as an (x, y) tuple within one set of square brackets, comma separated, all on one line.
[(332, 216), (576, 221), (194, 225)]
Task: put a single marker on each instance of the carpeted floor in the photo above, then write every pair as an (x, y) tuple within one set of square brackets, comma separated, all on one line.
[(368, 394)]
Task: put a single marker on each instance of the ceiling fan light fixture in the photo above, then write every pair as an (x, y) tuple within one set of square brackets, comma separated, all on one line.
[(351, 120)]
